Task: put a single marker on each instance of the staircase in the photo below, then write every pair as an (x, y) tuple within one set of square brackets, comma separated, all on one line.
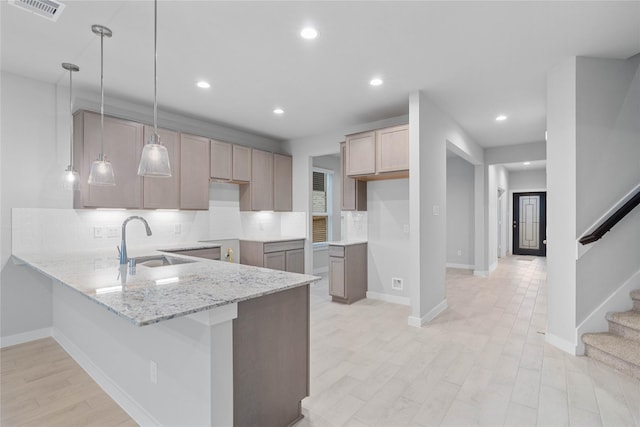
[(620, 347)]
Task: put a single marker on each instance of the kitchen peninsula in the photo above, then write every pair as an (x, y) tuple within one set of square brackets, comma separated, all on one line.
[(197, 342)]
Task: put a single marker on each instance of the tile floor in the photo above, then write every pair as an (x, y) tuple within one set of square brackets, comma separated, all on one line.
[(484, 361)]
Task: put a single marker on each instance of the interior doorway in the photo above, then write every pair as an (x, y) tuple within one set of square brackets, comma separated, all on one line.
[(530, 223)]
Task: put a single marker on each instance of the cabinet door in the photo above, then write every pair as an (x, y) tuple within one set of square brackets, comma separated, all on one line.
[(392, 149), (336, 277), (220, 162), (261, 181), (361, 154), (194, 172), (275, 261), (282, 183), (295, 261), (354, 193), (164, 193), (241, 163), (122, 147)]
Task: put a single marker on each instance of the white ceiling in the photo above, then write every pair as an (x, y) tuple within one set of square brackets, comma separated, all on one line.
[(474, 59)]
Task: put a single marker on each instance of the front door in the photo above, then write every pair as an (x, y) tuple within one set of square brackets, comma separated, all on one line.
[(530, 223)]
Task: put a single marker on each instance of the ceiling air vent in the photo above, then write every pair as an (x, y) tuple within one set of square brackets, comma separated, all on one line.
[(48, 9)]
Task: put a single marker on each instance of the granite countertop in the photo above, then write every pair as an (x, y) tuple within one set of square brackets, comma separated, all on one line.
[(154, 294), (189, 246), (273, 239), (346, 242)]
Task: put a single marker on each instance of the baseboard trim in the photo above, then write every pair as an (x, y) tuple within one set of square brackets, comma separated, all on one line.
[(561, 343), (320, 270), (24, 337), (462, 266), (122, 398), (418, 322), (389, 298), (619, 300)]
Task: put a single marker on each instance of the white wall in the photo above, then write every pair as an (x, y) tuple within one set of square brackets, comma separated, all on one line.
[(460, 213), (593, 107), (607, 167), (388, 243), (528, 180)]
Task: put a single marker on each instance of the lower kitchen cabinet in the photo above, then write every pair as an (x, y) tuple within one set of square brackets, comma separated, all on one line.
[(287, 255), (348, 272)]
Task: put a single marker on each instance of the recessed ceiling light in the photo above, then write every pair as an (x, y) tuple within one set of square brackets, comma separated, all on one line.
[(203, 85), (526, 163), (309, 33), (501, 118), (278, 111), (376, 81)]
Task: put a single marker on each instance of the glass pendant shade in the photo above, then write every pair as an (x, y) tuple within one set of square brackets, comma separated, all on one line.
[(102, 173), (71, 178), (154, 161)]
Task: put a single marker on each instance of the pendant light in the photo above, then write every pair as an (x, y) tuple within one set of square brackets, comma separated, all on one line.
[(154, 161), (70, 174), (101, 169)]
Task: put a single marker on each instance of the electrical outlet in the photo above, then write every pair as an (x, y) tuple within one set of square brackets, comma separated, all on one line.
[(98, 232), (396, 283), (153, 372), (436, 210), (459, 252), (405, 228), (177, 228), (112, 231)]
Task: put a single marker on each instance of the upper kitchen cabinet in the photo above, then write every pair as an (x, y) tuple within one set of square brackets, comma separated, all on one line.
[(164, 192), (282, 183), (123, 141), (194, 172), (361, 154), (379, 154), (230, 162), (354, 192), (258, 194)]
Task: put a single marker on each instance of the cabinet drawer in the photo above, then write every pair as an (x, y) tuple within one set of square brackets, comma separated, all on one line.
[(337, 251), (283, 246)]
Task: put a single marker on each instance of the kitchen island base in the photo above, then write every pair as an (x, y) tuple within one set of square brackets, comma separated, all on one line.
[(182, 371)]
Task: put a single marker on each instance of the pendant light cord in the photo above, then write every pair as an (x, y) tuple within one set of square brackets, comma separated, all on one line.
[(101, 96), (155, 69), (71, 115)]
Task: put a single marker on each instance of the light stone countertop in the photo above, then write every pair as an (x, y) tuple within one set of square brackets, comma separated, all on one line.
[(273, 239), (346, 242), (154, 294)]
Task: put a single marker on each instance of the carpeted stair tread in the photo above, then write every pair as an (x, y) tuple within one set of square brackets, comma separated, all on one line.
[(630, 319), (622, 348)]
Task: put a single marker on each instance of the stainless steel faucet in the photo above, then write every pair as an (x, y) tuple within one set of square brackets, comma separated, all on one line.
[(123, 243)]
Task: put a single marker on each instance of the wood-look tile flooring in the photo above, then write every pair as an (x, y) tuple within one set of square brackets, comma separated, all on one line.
[(43, 386), (482, 362)]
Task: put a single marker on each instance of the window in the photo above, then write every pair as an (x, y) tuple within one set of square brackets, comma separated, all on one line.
[(321, 206)]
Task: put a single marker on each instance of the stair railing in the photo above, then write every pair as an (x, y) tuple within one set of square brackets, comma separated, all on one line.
[(613, 216)]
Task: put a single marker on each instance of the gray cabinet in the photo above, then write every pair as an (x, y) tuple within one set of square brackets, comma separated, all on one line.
[(258, 194), (354, 192), (194, 172), (164, 193), (379, 154), (282, 183), (230, 162), (285, 255), (122, 147), (348, 272)]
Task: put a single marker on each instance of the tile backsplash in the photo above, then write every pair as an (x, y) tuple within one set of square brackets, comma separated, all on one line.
[(70, 230)]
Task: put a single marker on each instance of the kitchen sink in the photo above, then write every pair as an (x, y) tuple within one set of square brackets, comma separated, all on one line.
[(161, 260)]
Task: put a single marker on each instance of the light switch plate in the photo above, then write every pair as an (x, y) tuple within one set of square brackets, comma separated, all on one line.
[(98, 232), (112, 231)]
